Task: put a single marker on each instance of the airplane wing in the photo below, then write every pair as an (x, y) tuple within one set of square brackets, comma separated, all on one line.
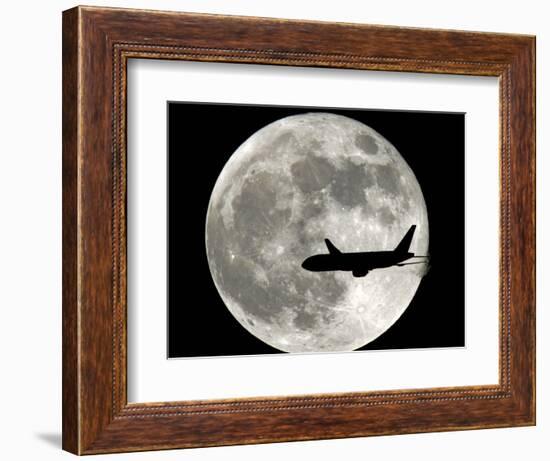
[(360, 272)]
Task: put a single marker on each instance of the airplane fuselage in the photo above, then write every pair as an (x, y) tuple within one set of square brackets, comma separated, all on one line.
[(360, 264), (364, 261)]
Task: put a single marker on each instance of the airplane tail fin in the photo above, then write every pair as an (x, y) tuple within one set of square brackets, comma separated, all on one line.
[(331, 248), (405, 243)]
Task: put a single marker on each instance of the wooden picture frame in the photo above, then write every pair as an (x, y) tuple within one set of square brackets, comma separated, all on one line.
[(97, 43)]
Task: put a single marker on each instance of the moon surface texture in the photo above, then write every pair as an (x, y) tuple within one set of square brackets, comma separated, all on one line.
[(289, 186)]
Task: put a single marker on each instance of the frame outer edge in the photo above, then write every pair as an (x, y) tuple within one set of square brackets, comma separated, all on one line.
[(522, 192), (70, 273), (529, 141), (533, 54)]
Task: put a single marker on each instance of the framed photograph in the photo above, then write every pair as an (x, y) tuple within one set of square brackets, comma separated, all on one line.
[(282, 230), (302, 175)]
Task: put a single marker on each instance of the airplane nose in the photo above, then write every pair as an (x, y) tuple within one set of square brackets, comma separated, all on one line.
[(306, 264)]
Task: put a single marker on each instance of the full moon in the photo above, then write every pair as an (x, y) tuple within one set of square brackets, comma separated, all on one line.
[(289, 186)]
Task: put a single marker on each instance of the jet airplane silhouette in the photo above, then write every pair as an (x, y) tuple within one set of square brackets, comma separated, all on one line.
[(360, 264)]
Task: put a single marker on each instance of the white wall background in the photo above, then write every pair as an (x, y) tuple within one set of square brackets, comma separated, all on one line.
[(30, 228)]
